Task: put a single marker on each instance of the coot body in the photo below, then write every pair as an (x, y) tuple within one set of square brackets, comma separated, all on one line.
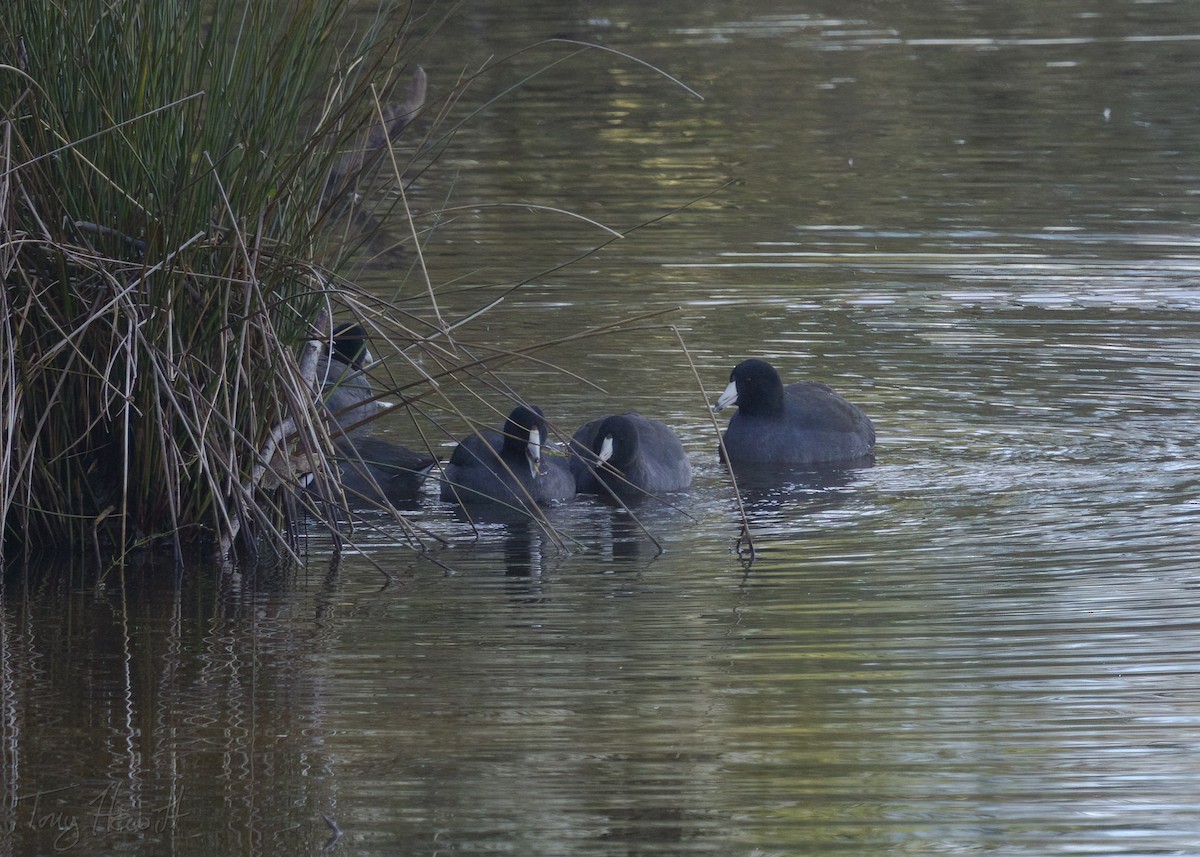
[(630, 454), (508, 467), (373, 469), (805, 424)]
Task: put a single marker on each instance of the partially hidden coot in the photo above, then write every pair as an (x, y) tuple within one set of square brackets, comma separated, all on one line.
[(805, 424), (346, 390), (630, 454), (508, 467), (373, 470)]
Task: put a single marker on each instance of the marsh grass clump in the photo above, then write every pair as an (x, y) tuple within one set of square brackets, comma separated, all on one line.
[(179, 185)]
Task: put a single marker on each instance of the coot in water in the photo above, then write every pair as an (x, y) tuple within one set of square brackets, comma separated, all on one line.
[(629, 453), (373, 469), (805, 424), (508, 467)]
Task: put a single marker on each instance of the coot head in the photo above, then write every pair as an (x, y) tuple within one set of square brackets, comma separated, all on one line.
[(755, 387), (350, 346), (525, 431), (616, 442)]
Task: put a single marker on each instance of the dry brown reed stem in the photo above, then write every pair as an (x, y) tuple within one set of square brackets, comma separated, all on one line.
[(745, 536), (416, 98)]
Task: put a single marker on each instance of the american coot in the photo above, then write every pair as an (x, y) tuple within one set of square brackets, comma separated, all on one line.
[(374, 470), (630, 454), (371, 469), (345, 388), (508, 467), (804, 424)]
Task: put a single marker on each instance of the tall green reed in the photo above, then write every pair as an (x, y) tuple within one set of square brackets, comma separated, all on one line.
[(179, 182)]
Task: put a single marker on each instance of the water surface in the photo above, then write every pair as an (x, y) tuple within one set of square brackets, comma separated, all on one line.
[(977, 222)]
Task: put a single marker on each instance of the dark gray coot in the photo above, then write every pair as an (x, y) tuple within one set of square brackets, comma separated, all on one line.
[(631, 454), (373, 469), (508, 467), (805, 424)]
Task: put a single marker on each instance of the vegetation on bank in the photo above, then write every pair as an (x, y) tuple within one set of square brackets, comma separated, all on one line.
[(180, 186)]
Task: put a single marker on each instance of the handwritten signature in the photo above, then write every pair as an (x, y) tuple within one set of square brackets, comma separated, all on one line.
[(112, 810)]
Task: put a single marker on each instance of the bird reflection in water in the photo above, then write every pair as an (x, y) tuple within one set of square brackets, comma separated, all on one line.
[(774, 496)]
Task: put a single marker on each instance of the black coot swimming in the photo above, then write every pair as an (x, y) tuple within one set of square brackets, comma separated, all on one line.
[(805, 424), (508, 467), (631, 454), (373, 469)]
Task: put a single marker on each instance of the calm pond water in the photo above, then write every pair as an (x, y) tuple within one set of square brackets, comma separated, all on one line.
[(976, 220)]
